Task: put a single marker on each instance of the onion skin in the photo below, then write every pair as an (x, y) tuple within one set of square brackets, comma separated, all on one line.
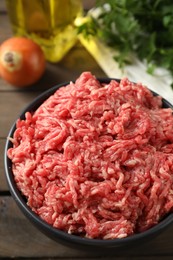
[(22, 61)]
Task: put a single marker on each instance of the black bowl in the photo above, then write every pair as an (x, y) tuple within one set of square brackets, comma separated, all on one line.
[(58, 235)]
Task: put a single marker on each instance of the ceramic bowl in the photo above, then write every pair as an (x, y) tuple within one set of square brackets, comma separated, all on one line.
[(58, 235)]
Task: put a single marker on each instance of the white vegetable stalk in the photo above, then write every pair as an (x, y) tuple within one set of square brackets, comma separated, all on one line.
[(103, 55)]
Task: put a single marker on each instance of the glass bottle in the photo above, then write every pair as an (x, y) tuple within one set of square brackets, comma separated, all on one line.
[(50, 23)]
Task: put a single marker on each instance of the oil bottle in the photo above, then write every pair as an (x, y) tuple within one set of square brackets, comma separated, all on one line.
[(50, 23)]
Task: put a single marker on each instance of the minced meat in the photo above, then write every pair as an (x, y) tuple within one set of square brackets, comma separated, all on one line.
[(96, 160)]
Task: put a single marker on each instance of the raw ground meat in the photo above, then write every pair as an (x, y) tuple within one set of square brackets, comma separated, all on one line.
[(97, 160)]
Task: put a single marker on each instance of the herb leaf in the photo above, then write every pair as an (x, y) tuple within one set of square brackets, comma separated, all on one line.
[(132, 26)]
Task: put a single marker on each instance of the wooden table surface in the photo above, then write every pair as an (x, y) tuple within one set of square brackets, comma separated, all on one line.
[(18, 237)]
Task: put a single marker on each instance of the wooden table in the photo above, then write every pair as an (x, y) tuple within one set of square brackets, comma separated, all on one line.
[(18, 237)]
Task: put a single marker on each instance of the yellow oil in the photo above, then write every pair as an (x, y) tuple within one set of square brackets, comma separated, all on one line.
[(50, 23)]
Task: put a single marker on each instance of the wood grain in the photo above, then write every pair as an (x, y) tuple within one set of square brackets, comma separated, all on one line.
[(11, 104), (2, 6), (111, 258)]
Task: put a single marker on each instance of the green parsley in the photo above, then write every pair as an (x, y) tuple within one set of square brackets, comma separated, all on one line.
[(132, 26)]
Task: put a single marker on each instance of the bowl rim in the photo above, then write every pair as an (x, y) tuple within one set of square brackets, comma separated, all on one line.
[(36, 219)]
